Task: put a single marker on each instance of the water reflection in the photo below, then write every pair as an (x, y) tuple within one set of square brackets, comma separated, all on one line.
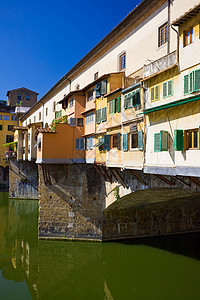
[(146, 269)]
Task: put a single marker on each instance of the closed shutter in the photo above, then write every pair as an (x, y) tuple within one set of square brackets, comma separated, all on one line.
[(178, 140), (197, 80), (118, 104), (119, 141), (104, 87), (91, 142), (186, 84), (86, 143), (170, 87), (191, 82), (104, 114), (199, 137), (140, 140), (163, 140), (106, 142), (152, 93), (76, 144), (156, 142), (98, 90), (125, 142), (125, 102), (164, 89), (98, 116), (81, 144), (157, 92)]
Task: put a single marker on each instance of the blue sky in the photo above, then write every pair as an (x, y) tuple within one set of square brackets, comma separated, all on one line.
[(41, 40)]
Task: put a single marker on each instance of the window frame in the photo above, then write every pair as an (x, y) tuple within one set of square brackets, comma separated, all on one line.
[(162, 40), (89, 118), (91, 97), (130, 142), (122, 61), (186, 139), (190, 31), (71, 103)]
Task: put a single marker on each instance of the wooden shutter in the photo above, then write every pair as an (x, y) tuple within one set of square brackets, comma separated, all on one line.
[(140, 140), (125, 142), (157, 92), (98, 116), (186, 84), (86, 143), (104, 87), (119, 141), (164, 89), (118, 104), (81, 144), (178, 140), (191, 82), (197, 80), (137, 98), (170, 88), (163, 140), (156, 142), (125, 102), (104, 114), (91, 142), (76, 144), (98, 90), (152, 94), (106, 142)]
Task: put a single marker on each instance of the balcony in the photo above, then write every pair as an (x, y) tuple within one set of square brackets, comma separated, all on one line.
[(160, 64)]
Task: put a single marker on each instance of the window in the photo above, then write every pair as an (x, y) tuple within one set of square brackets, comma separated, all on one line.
[(116, 141), (34, 119), (54, 106), (122, 61), (9, 138), (161, 141), (192, 139), (163, 34), (89, 143), (39, 115), (115, 106), (1, 117), (46, 111), (14, 118), (104, 114), (80, 122), (6, 118), (79, 144), (167, 88), (192, 82), (188, 37), (71, 102), (155, 93), (58, 114), (134, 140), (72, 121), (39, 144), (90, 95), (19, 97), (10, 127), (27, 97), (1, 127), (96, 75), (132, 99), (29, 121), (89, 118), (98, 116)]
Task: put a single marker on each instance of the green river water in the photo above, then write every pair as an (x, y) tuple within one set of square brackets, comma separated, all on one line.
[(153, 269)]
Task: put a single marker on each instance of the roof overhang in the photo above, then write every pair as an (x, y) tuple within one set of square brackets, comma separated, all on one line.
[(186, 16)]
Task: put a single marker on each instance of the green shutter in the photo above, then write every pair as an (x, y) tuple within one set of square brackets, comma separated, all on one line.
[(152, 93), (98, 116), (140, 140), (125, 142), (104, 87), (156, 142), (163, 140), (118, 104), (164, 89), (110, 108), (119, 141), (170, 88), (196, 80), (104, 114), (178, 140), (191, 82), (106, 142), (157, 92), (98, 90), (186, 84)]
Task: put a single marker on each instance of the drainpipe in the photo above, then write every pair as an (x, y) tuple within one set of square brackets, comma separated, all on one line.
[(43, 114), (144, 119), (168, 43), (177, 43)]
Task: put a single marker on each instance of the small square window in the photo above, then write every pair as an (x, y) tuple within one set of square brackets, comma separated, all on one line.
[(188, 37), (71, 102), (80, 122), (122, 61), (163, 34), (27, 97), (96, 75), (19, 97), (10, 127), (90, 95)]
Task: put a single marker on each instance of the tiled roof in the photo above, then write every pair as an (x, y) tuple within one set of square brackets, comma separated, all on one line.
[(44, 130), (190, 13)]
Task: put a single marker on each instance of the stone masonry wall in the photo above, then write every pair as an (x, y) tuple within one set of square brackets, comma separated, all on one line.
[(23, 179), (71, 201)]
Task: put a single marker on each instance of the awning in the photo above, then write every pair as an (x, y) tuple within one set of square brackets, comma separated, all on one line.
[(99, 144), (39, 142), (172, 104)]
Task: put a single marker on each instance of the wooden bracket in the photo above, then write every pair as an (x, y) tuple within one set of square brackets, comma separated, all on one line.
[(181, 180), (99, 171), (164, 179), (106, 174), (139, 178), (120, 179), (194, 180)]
